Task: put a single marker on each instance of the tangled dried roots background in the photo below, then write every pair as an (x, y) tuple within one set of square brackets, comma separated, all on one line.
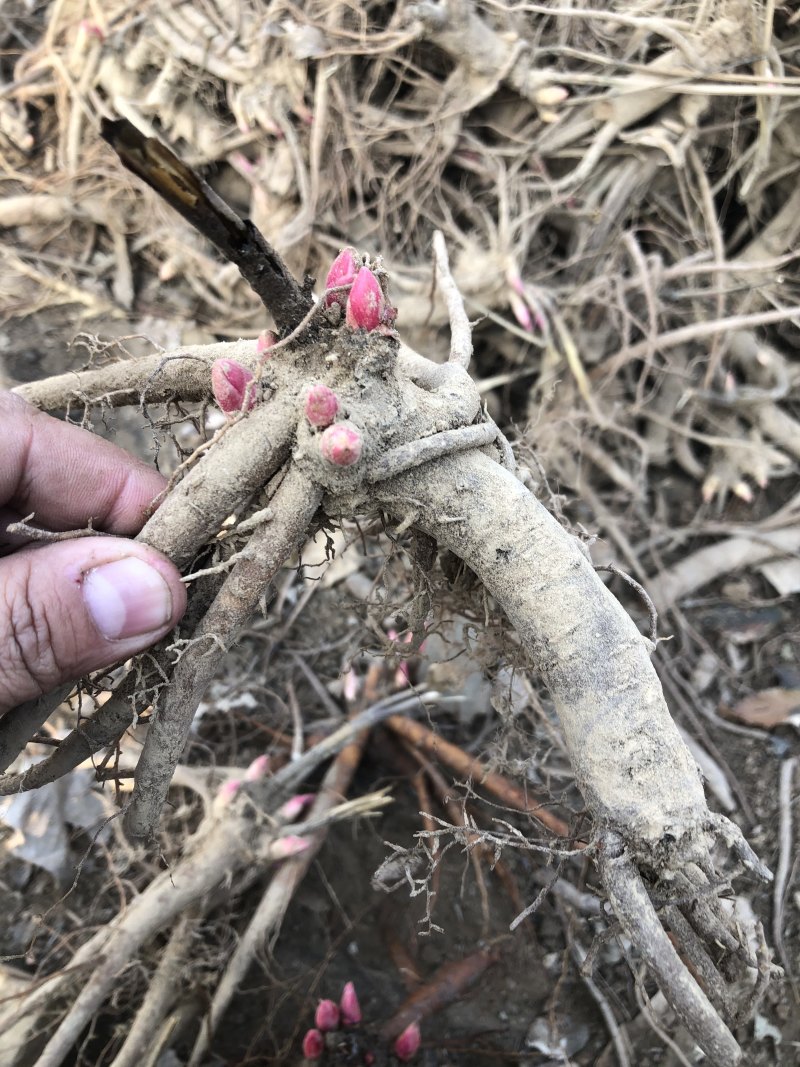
[(618, 189)]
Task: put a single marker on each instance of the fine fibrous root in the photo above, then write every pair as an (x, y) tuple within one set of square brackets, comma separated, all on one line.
[(338, 421)]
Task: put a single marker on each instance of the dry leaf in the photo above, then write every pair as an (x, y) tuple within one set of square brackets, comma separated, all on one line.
[(770, 707)]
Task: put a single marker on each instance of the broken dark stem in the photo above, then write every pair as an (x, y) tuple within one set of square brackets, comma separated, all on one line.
[(236, 238)]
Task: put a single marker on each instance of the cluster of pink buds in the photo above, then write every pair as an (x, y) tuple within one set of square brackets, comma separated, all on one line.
[(340, 443), (365, 305), (233, 386), (282, 847), (330, 1017)]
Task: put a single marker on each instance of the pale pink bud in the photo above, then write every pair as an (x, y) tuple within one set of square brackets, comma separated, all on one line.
[(292, 845), (227, 791), (402, 677), (352, 684), (342, 272), (549, 95), (349, 1006), (322, 404), (289, 811), (406, 1045), (231, 385), (258, 769), (521, 312), (313, 1045), (365, 302), (87, 28), (341, 444), (266, 339), (326, 1016)]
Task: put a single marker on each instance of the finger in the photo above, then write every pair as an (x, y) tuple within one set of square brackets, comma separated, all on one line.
[(67, 476), (76, 606)]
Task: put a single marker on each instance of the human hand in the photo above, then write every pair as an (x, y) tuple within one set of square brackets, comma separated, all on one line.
[(74, 606)]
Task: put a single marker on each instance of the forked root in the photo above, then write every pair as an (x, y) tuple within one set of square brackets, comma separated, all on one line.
[(637, 916)]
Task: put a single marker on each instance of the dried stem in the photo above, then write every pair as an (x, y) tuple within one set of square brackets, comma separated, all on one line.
[(237, 239)]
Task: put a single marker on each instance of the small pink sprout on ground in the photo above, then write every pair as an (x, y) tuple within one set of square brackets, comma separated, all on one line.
[(351, 686), (349, 1006), (227, 791), (365, 304), (313, 1045), (88, 28), (342, 272), (258, 769), (326, 1016), (289, 811), (401, 676), (322, 405), (521, 312), (266, 340), (341, 444), (241, 162), (231, 385), (515, 281), (292, 845), (406, 1045)]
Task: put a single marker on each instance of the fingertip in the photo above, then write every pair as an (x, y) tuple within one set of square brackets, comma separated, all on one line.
[(78, 606)]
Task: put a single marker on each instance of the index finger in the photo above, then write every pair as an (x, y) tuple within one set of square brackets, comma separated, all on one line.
[(68, 476)]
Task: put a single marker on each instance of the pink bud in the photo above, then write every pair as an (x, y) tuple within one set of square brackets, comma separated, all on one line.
[(326, 1016), (352, 684), (266, 339), (342, 272), (91, 29), (288, 846), (258, 769), (521, 312), (341, 444), (230, 383), (322, 405), (349, 1006), (289, 811), (227, 791), (365, 303), (313, 1045), (407, 1044)]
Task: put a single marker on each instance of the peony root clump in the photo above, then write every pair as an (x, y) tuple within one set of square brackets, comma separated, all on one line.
[(335, 418)]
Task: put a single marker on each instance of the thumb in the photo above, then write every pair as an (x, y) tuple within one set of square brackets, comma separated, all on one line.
[(70, 608)]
